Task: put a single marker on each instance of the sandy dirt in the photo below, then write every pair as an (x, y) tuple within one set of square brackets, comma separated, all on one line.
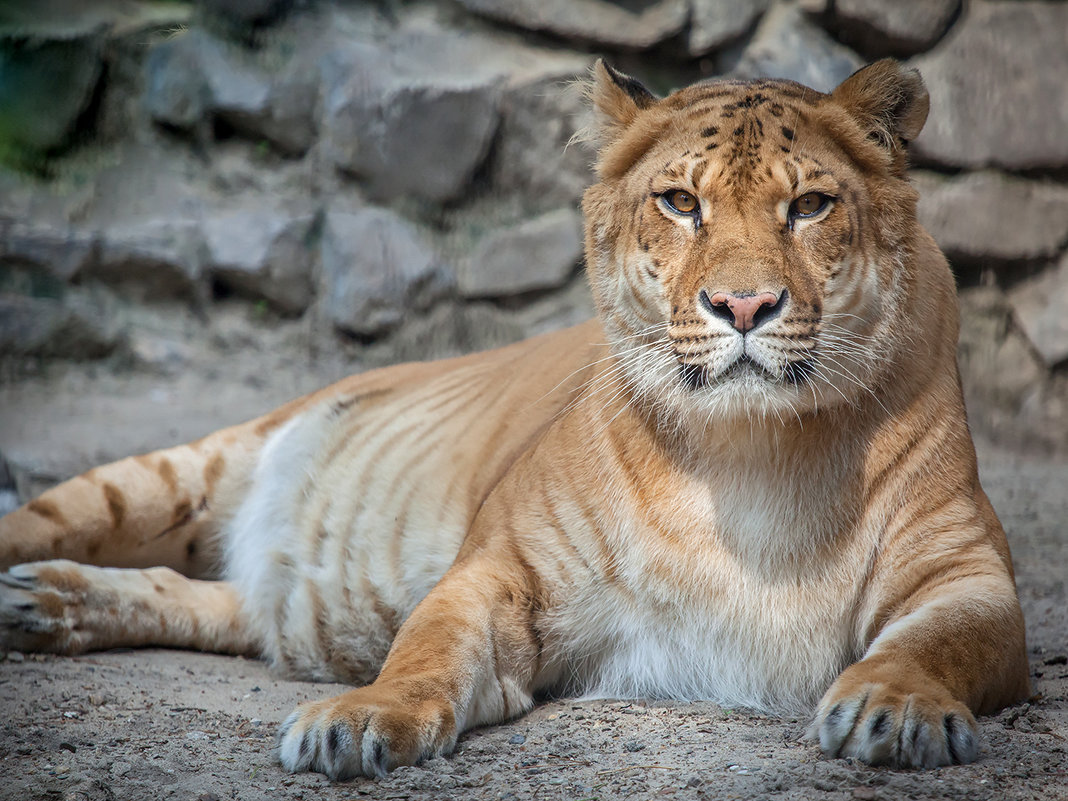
[(155, 724)]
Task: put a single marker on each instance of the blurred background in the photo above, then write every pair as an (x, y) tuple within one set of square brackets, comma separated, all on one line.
[(207, 208)]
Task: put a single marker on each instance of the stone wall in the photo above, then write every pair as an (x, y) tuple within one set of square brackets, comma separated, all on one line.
[(396, 180)]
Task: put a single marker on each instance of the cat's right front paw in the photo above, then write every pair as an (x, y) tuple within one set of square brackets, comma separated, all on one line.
[(365, 732), (41, 604)]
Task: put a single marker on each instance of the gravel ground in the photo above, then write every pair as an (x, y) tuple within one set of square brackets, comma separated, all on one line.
[(156, 724)]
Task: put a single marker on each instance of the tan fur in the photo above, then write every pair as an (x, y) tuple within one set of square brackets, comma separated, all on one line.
[(661, 502)]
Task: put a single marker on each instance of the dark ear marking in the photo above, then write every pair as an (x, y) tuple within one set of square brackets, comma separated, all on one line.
[(634, 88)]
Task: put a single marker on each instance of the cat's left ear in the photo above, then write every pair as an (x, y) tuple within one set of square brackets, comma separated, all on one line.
[(888, 100)]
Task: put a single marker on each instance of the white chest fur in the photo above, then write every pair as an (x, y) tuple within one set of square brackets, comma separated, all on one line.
[(751, 646), (750, 601)]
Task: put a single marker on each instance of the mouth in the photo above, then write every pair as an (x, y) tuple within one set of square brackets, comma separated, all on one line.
[(696, 377)]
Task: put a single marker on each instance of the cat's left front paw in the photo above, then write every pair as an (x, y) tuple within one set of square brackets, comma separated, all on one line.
[(885, 717), (365, 732)]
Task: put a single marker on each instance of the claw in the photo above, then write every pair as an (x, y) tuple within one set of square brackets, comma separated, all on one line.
[(9, 579)]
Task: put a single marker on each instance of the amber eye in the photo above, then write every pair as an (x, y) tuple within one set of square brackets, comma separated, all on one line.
[(809, 205), (682, 202)]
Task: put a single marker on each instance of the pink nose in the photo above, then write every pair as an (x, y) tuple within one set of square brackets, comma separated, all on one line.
[(744, 312)]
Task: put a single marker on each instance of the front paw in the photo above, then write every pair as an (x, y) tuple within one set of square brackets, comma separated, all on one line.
[(41, 607), (884, 716), (365, 732)]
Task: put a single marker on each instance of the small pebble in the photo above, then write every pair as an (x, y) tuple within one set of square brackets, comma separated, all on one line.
[(517, 739), (15, 656), (633, 745)]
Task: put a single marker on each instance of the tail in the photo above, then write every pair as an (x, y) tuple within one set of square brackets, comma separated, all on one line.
[(161, 509)]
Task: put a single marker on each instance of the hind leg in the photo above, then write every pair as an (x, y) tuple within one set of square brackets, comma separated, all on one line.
[(160, 509), (69, 608)]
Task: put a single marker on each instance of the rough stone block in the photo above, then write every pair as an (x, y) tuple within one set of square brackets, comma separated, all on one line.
[(536, 155), (900, 28), (376, 268), (540, 253), (58, 250), (264, 254), (988, 214), (195, 77), (714, 23), (787, 45), (70, 328), (998, 91), (417, 131), (593, 21), (1040, 307), (161, 258)]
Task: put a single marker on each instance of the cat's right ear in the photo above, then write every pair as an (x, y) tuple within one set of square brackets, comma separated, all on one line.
[(617, 100)]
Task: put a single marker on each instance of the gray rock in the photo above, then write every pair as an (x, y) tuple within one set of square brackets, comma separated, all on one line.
[(59, 250), (541, 253), (998, 93), (419, 129), (1040, 307), (264, 254), (408, 127), (157, 257), (44, 88), (992, 349), (879, 28), (195, 77), (714, 23), (787, 45), (376, 268), (595, 21), (988, 215), (176, 89), (71, 328), (288, 120), (536, 154)]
